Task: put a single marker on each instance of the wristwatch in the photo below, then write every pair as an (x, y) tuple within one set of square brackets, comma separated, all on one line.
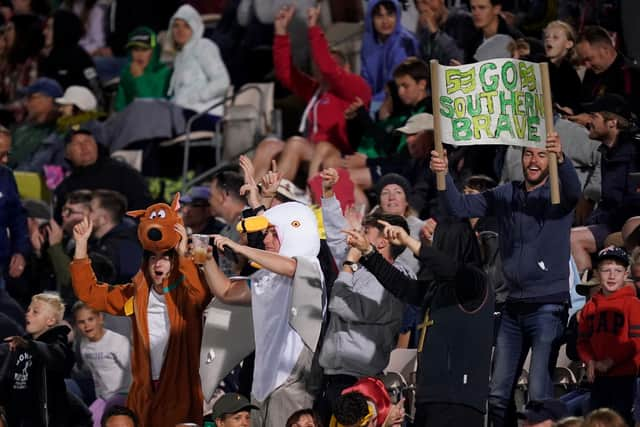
[(352, 265)]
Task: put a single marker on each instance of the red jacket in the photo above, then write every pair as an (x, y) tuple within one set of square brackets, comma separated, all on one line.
[(609, 328), (327, 123)]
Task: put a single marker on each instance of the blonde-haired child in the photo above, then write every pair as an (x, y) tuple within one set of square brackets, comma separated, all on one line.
[(34, 389), (559, 44)]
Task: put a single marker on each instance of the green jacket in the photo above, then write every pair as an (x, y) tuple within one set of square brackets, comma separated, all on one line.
[(153, 83), (27, 139)]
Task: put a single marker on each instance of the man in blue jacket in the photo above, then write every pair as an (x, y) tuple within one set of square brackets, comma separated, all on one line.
[(534, 243), (14, 240)]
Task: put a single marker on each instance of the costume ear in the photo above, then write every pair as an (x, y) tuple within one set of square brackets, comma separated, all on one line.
[(136, 214), (175, 204)]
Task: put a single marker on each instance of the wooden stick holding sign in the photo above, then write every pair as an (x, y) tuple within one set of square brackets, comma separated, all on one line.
[(548, 116), (435, 99)]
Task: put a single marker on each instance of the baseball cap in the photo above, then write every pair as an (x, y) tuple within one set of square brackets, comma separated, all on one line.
[(45, 86), (230, 403), (537, 411), (37, 209), (417, 123), (612, 103), (79, 96), (290, 191), (614, 253), (75, 130), (199, 193), (141, 37)]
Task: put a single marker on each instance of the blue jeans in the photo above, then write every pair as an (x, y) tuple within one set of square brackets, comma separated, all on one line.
[(538, 327)]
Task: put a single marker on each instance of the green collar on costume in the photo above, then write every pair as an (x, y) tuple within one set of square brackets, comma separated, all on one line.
[(174, 285)]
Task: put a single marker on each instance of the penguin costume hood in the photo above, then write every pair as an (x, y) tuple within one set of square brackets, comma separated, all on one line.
[(297, 230)]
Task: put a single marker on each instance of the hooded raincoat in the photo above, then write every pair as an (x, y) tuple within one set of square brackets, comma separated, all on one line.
[(200, 78), (379, 59)]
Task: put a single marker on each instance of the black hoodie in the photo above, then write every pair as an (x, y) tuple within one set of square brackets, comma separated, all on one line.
[(68, 63), (33, 389)]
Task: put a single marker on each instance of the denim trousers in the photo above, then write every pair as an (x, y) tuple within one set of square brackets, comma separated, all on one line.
[(525, 326)]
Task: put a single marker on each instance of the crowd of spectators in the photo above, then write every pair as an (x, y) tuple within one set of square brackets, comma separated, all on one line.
[(509, 310)]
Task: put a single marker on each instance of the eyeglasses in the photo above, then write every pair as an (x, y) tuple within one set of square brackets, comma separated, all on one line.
[(69, 212)]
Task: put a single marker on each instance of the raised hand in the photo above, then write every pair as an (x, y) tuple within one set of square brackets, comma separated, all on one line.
[(250, 187), (395, 234), (438, 162), (283, 18), (181, 246), (554, 145), (82, 230), (313, 14), (37, 240), (222, 241), (329, 177), (357, 239), (271, 181)]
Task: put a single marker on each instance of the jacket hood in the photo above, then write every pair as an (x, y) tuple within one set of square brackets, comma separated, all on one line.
[(192, 17), (624, 292), (368, 22), (67, 29)]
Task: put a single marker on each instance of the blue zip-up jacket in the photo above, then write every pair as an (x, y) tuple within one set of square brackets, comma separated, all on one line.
[(13, 218), (534, 234), (380, 59)]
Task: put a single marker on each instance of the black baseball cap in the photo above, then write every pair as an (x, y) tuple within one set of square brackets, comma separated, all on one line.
[(613, 253), (612, 103), (537, 411), (231, 403), (75, 130)]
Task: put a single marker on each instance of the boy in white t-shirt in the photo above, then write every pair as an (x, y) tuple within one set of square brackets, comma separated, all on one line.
[(107, 354)]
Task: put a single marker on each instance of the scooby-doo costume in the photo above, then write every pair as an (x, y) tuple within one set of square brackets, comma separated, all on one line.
[(178, 395)]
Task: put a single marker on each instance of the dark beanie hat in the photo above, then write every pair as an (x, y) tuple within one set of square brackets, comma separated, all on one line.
[(394, 178)]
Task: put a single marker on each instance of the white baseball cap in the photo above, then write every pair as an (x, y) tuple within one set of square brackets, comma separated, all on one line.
[(79, 96)]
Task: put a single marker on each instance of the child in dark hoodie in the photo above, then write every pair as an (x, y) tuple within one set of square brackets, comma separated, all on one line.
[(609, 336), (144, 76), (34, 367)]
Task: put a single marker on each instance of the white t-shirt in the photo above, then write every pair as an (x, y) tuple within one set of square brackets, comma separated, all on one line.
[(109, 361), (159, 328)]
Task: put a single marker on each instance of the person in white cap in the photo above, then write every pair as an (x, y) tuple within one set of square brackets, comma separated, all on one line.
[(77, 106), (77, 99)]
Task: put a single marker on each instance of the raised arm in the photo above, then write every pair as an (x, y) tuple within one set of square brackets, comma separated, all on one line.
[(292, 78), (457, 204), (271, 261), (226, 290), (343, 83), (400, 285), (100, 296)]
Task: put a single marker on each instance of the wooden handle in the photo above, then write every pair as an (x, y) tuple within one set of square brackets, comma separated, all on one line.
[(548, 118), (435, 99)]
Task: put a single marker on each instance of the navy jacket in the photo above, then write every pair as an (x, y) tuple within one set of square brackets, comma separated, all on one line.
[(620, 201), (13, 218), (534, 234)]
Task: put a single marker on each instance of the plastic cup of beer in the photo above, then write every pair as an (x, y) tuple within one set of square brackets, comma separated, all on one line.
[(200, 244)]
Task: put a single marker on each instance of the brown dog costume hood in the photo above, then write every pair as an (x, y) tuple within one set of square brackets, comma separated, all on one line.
[(156, 230)]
